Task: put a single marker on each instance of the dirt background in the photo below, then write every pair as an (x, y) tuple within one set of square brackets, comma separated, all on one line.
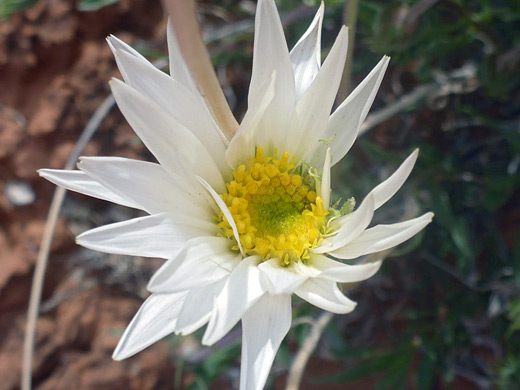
[(54, 72)]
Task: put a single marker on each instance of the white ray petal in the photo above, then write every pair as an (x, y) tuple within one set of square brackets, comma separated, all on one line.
[(325, 182), (170, 142), (351, 226), (326, 295), (340, 272), (161, 235), (242, 146), (382, 237), (197, 307), (242, 290), (264, 326), (343, 125), (313, 109), (116, 44), (175, 99), (271, 53), (279, 280), (155, 319), (147, 184), (222, 206), (201, 261), (178, 68), (79, 181), (384, 191), (306, 54)]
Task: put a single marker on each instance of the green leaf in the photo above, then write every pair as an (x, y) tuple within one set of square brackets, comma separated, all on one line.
[(218, 362), (95, 5), (374, 363), (514, 315), (10, 7), (425, 373)]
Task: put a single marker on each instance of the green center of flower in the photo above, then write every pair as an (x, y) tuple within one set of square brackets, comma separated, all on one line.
[(275, 217), (276, 210)]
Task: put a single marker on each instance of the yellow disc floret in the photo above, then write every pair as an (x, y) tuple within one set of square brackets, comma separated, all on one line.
[(276, 210)]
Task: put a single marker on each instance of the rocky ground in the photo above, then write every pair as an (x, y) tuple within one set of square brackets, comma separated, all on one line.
[(54, 69)]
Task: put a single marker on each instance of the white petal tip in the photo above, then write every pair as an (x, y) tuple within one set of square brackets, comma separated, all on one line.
[(412, 158), (116, 358), (327, 154), (383, 64), (348, 308), (376, 265), (113, 81), (208, 341), (152, 285), (118, 354), (114, 41)]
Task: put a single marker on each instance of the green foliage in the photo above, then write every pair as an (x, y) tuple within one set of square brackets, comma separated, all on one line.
[(212, 367), (94, 5), (10, 7), (465, 291), (393, 364), (509, 374), (514, 315)]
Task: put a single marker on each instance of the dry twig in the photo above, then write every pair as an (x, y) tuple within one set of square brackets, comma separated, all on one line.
[(350, 20), (184, 22), (48, 234), (305, 352)]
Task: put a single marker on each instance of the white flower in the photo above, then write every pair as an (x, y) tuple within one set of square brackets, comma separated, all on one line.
[(245, 222)]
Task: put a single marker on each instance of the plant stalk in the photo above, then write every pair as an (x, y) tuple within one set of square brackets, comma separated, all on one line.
[(350, 19), (183, 17)]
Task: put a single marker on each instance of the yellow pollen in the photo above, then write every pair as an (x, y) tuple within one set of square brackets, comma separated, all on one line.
[(276, 211)]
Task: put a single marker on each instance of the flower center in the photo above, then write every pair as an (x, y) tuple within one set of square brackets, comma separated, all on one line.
[(275, 209)]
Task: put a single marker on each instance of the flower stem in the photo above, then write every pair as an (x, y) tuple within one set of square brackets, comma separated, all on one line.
[(45, 247), (186, 27), (350, 19), (305, 352)]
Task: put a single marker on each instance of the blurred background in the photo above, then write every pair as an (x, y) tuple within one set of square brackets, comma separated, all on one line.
[(444, 312)]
